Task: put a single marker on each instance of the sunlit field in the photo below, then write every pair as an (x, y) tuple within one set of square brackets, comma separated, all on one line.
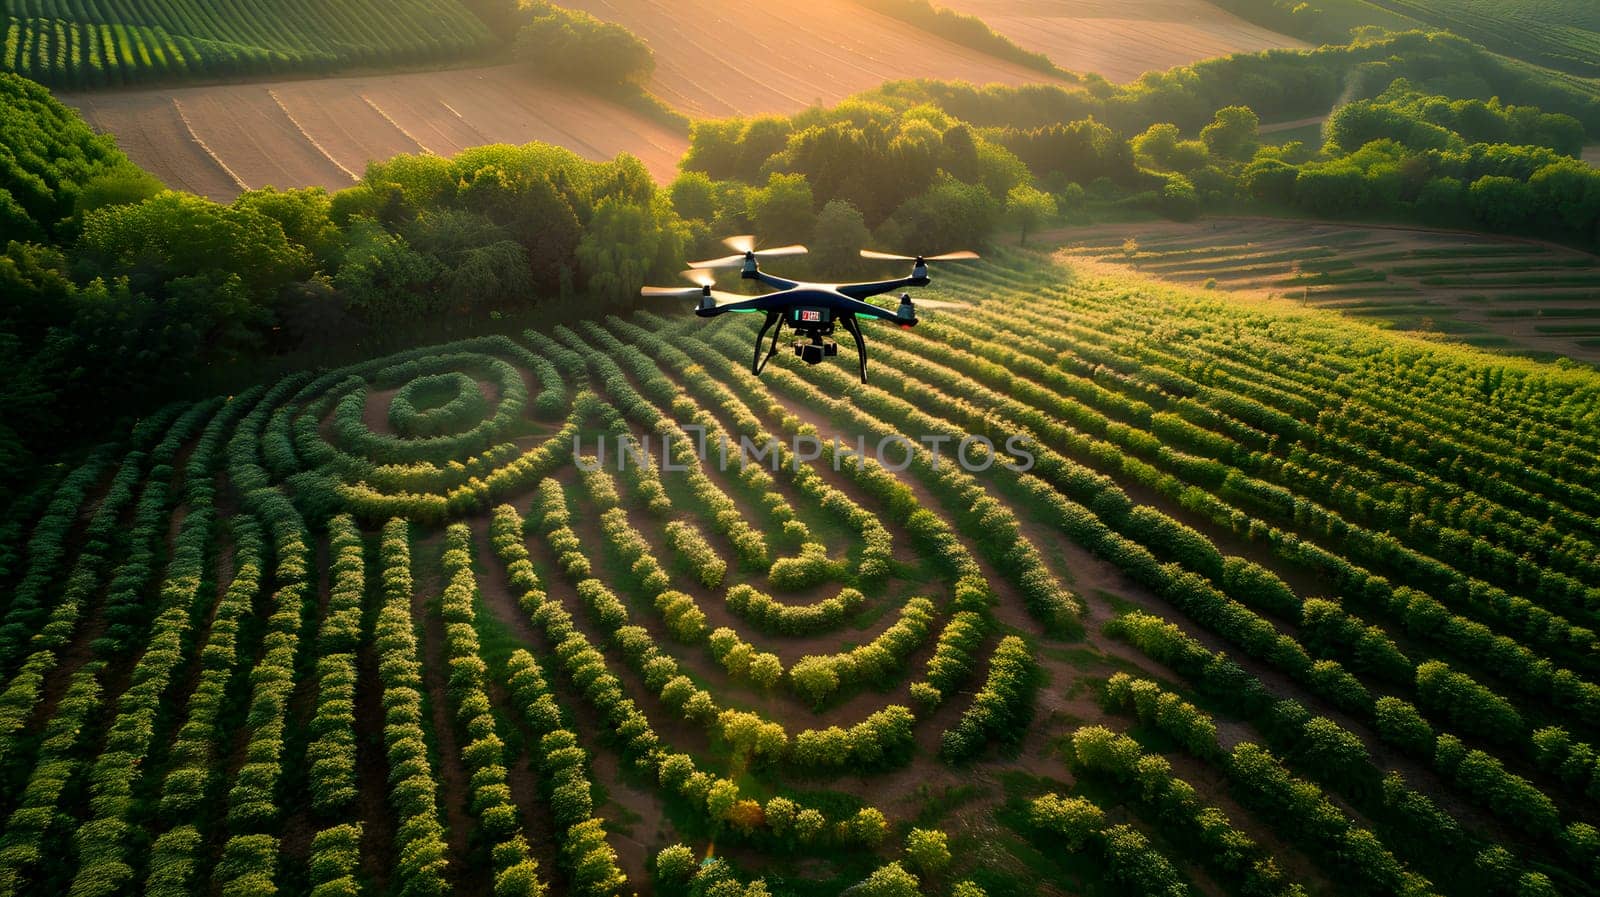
[(390, 506)]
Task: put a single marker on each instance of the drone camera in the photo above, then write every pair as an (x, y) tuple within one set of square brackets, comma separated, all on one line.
[(813, 351)]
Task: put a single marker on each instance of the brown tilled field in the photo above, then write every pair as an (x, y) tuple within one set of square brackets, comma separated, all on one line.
[(218, 140), (715, 58), (1122, 39), (1492, 292)]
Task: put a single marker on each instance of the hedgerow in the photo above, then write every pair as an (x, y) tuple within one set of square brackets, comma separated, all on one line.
[(1001, 710), (1131, 862), (1176, 805), (419, 838)]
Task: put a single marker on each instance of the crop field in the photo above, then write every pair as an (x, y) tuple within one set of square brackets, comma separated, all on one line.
[(1123, 40), (1486, 291), (1262, 616), (790, 53), (1561, 34), (99, 43), (219, 140)]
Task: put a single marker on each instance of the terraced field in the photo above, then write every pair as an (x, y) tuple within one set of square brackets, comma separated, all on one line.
[(1276, 591), (1491, 292), (1123, 40)]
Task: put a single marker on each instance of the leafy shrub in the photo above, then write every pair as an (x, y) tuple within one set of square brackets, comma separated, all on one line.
[(571, 45)]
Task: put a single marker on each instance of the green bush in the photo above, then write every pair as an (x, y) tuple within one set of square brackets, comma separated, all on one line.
[(571, 45)]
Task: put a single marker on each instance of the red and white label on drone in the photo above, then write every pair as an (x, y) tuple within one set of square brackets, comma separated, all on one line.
[(807, 314)]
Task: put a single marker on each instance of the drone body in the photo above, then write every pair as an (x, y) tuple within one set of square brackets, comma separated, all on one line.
[(812, 310)]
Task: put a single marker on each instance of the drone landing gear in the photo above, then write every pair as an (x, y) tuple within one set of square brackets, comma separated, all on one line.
[(812, 348), (756, 361), (849, 322)]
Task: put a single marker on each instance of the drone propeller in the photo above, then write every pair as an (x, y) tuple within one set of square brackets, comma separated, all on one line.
[(940, 304), (701, 277), (946, 257), (745, 246), (703, 293)]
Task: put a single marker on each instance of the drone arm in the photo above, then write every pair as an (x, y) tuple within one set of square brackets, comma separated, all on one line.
[(856, 307), (878, 288), (777, 283), (751, 304)]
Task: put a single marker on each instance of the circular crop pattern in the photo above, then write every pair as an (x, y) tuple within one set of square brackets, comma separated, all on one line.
[(430, 434), (397, 622), (437, 405)]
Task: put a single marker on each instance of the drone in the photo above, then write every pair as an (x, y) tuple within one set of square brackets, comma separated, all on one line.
[(812, 310)]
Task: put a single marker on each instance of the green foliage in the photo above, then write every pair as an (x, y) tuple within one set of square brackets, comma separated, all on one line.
[(959, 28), (102, 44), (891, 880), (1132, 863), (1467, 704), (928, 850), (571, 45), (1028, 208), (1001, 710)]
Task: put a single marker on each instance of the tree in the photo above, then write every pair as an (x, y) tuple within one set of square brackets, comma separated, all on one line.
[(782, 211), (693, 194), (572, 45), (929, 850), (491, 276), (305, 216), (891, 880), (1162, 147), (1028, 207), (1073, 818), (1399, 723), (1502, 203), (950, 214), (840, 234), (120, 187), (180, 234), (381, 276), (675, 865), (814, 678), (624, 243), (1234, 133)]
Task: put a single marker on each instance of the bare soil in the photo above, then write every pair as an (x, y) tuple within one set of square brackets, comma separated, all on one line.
[(324, 132), (1122, 39), (716, 58)]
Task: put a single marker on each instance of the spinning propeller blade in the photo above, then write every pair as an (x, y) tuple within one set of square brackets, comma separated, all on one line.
[(673, 292), (745, 245), (940, 303), (690, 293), (729, 261), (893, 257), (701, 276)]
